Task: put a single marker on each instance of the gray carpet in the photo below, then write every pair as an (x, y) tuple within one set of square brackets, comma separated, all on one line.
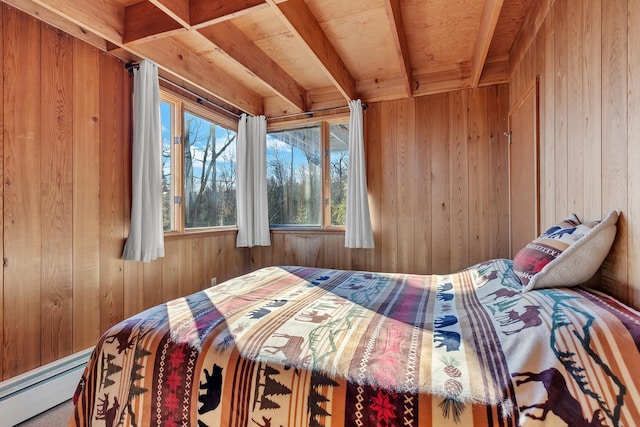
[(58, 416)]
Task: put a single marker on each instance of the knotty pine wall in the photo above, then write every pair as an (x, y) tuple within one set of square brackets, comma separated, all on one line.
[(586, 55), (437, 170), (438, 189)]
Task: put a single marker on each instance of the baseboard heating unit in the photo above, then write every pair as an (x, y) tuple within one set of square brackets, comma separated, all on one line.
[(38, 390)]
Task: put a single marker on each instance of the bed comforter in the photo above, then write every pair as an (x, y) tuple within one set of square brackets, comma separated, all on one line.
[(297, 346)]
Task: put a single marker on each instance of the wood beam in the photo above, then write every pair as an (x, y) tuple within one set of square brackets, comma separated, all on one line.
[(490, 16), (394, 13), (295, 14), (176, 9), (104, 18), (243, 50), (144, 21), (455, 78), (496, 71), (180, 61), (207, 12)]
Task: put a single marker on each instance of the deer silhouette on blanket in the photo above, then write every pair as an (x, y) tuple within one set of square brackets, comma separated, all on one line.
[(559, 400), (292, 348), (313, 316), (124, 336), (502, 293), (530, 318)]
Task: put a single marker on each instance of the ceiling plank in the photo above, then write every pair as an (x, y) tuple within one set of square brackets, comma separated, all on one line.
[(400, 41), (244, 51), (143, 21), (176, 9), (185, 64), (490, 16), (206, 12), (295, 14)]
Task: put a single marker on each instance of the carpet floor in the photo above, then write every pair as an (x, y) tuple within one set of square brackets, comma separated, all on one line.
[(57, 416)]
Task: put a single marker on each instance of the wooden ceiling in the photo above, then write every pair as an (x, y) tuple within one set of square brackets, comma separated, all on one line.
[(278, 57)]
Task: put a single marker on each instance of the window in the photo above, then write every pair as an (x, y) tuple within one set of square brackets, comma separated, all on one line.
[(199, 166), (307, 169), (305, 187), (339, 172)]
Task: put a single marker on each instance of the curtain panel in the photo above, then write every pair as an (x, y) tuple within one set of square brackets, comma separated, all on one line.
[(251, 169), (358, 230), (146, 234)]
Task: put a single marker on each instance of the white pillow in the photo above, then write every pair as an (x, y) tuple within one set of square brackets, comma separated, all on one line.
[(581, 260)]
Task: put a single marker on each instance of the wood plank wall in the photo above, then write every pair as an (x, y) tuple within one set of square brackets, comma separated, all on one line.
[(66, 149), (586, 54), (437, 178)]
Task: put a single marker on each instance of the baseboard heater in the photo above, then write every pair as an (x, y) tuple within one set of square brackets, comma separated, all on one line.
[(29, 394)]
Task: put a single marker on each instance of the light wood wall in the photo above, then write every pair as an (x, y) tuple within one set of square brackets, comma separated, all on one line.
[(438, 188), (586, 55), (66, 132)]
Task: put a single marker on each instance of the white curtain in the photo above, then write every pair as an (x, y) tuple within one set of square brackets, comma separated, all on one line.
[(359, 233), (146, 236), (251, 170)]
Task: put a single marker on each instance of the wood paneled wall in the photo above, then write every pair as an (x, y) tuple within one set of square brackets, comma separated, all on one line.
[(66, 148), (586, 55), (438, 188)]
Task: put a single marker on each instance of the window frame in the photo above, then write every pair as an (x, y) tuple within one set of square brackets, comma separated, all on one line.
[(181, 105), (325, 123)]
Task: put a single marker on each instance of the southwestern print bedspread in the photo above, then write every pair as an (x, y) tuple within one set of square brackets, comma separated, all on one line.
[(296, 346)]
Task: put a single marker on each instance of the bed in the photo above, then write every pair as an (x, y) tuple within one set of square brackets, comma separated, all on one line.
[(300, 346)]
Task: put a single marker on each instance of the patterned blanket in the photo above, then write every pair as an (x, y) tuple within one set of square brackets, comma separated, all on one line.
[(298, 346)]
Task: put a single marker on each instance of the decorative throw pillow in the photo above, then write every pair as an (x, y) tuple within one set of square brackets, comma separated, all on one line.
[(567, 254)]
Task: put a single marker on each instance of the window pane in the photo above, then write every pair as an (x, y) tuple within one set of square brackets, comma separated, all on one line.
[(166, 118), (339, 170), (294, 177), (209, 173)]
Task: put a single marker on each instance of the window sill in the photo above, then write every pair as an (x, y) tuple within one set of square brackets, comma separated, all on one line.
[(307, 230), (205, 232), (201, 232)]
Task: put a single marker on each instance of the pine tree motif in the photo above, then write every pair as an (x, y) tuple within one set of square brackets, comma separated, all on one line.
[(272, 387), (269, 387), (316, 399), (266, 403), (110, 369)]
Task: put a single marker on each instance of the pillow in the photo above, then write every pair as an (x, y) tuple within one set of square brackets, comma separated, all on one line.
[(567, 254)]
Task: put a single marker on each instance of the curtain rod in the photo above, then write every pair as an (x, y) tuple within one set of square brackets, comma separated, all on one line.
[(199, 99), (310, 114)]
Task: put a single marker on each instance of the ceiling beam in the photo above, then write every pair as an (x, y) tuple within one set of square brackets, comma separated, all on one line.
[(244, 51), (144, 21), (394, 13), (490, 16), (185, 64), (295, 14), (207, 12), (178, 10), (106, 18)]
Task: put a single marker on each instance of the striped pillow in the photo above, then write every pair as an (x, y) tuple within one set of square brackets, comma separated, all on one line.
[(567, 254)]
